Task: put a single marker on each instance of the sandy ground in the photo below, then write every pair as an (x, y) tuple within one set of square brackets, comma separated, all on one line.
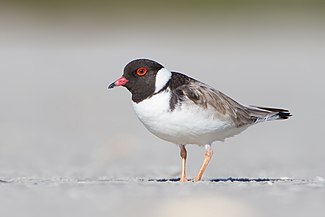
[(69, 147), (147, 197)]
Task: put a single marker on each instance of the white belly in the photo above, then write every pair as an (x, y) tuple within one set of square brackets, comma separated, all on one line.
[(188, 124)]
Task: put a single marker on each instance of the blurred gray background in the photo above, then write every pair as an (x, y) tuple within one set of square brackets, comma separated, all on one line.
[(59, 120)]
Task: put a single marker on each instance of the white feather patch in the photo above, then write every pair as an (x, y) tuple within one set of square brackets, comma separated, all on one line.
[(188, 124), (162, 77)]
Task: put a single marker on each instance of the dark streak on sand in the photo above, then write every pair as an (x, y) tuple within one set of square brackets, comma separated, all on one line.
[(45, 181), (230, 179)]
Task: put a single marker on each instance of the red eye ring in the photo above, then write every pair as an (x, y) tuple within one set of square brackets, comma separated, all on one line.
[(141, 71)]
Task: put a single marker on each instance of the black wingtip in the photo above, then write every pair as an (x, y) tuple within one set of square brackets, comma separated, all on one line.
[(282, 113)]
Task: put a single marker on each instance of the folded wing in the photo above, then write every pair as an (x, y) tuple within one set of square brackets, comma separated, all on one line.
[(225, 107)]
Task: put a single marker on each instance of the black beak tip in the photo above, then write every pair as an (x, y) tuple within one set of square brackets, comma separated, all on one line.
[(112, 85)]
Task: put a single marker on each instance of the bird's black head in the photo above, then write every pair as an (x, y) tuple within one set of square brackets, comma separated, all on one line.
[(139, 78), (141, 74)]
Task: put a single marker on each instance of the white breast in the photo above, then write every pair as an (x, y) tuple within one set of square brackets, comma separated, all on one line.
[(187, 124)]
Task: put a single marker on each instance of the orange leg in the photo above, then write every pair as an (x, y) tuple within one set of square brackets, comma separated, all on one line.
[(183, 154), (207, 158)]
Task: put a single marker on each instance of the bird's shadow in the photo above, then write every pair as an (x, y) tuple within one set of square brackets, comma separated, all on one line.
[(229, 179)]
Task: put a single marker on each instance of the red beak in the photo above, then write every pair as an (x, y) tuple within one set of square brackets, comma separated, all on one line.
[(119, 82)]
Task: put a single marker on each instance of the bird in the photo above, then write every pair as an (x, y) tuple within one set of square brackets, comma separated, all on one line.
[(182, 110)]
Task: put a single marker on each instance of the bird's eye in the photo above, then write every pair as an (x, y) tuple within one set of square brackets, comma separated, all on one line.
[(141, 71)]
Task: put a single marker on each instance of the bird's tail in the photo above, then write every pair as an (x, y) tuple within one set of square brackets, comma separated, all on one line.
[(268, 114)]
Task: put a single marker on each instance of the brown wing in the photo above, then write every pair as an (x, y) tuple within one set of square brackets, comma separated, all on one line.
[(225, 107)]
